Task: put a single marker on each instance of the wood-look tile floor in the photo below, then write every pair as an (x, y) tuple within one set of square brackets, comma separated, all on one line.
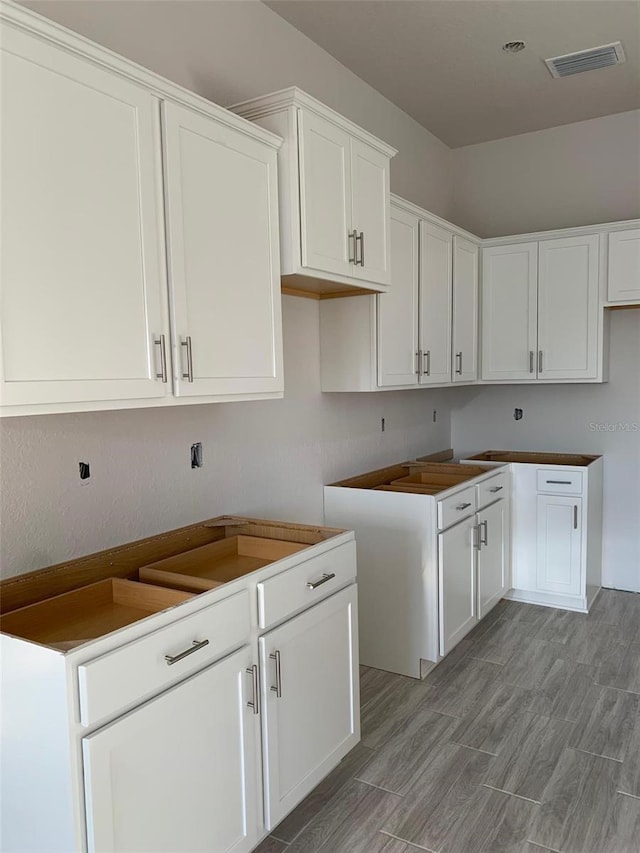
[(526, 739)]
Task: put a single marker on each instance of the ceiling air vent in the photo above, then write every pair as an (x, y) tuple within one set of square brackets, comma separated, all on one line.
[(586, 60)]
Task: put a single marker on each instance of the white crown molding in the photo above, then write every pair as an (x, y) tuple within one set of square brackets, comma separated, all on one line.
[(420, 213), (560, 233), (24, 19), (284, 99)]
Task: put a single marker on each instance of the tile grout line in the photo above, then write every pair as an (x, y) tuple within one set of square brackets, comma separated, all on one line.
[(550, 849), (511, 794), (596, 754), (475, 748), (404, 841), (378, 787), (627, 794)]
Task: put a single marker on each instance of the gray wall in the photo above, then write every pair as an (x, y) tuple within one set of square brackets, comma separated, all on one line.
[(578, 174)]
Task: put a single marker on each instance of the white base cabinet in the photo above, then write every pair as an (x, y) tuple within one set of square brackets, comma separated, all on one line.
[(195, 729), (310, 689), (179, 772), (423, 574)]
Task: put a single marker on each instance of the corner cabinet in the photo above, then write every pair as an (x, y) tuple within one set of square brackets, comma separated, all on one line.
[(542, 314), (334, 195), (404, 337), (87, 319)]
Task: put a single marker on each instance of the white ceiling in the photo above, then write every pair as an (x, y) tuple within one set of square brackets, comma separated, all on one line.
[(442, 61)]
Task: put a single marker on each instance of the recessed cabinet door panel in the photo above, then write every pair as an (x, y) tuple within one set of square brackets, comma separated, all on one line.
[(398, 309), (465, 311), (568, 308), (178, 773), (624, 266), (370, 211), (325, 199), (83, 296), (456, 583), (221, 207), (559, 544), (492, 557), (310, 704), (509, 294), (435, 303)]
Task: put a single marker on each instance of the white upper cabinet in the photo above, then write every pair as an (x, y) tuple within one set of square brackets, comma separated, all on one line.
[(435, 303), (568, 308), (541, 311), (624, 266), (221, 201), (509, 299), (325, 200), (334, 195), (83, 297), (465, 310), (370, 212), (87, 321), (397, 333)]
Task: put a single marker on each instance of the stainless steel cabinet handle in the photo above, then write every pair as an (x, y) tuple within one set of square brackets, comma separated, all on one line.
[(463, 506), (361, 238), (427, 363), (560, 482), (195, 646), (575, 516), (277, 689), (496, 489), (459, 363), (189, 373), (255, 701), (418, 361), (531, 357), (325, 577), (485, 540), (476, 536), (539, 361), (353, 235), (160, 342)]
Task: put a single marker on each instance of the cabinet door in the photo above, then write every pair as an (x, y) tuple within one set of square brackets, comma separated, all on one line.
[(325, 195), (398, 309), (456, 583), (83, 295), (370, 206), (465, 311), (509, 312), (492, 556), (178, 773), (559, 544), (568, 308), (624, 266), (435, 303), (310, 700), (222, 225)]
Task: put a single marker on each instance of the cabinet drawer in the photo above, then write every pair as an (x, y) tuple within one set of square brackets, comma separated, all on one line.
[(493, 489), (456, 507), (304, 584), (140, 668), (559, 482)]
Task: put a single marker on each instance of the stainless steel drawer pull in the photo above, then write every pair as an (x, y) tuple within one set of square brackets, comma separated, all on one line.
[(427, 363), (575, 517), (160, 342), (361, 238), (540, 361), (418, 361), (277, 689), (197, 644), (188, 375), (463, 506), (531, 357), (560, 482), (325, 577), (255, 701), (459, 363), (485, 540), (495, 489)]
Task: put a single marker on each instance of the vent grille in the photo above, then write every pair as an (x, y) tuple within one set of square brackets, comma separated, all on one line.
[(586, 60)]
